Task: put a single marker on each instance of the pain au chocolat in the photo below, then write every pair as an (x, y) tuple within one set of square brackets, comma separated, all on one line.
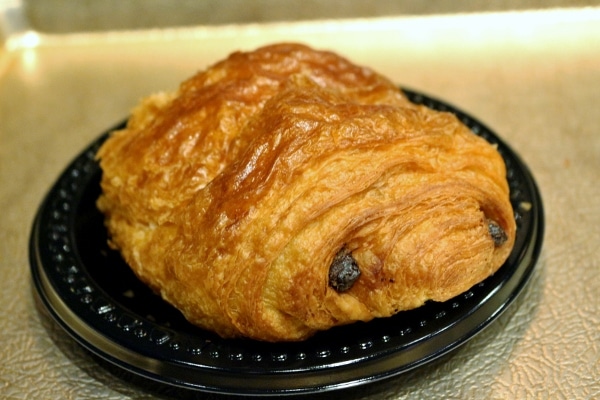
[(285, 191)]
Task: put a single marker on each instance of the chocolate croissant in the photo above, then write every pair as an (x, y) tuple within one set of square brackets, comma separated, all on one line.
[(285, 191)]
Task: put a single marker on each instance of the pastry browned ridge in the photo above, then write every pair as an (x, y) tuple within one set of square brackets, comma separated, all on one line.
[(285, 191)]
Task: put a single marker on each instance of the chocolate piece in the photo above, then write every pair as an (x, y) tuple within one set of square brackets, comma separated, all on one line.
[(497, 233), (344, 271)]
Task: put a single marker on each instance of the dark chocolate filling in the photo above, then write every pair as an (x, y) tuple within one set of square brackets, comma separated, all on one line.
[(497, 233), (343, 271)]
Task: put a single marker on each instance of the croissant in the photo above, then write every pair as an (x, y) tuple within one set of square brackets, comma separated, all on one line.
[(285, 191)]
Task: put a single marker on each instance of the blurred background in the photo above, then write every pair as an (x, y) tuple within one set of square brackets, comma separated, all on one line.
[(63, 16)]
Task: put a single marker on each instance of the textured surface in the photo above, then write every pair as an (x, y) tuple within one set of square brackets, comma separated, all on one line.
[(535, 85)]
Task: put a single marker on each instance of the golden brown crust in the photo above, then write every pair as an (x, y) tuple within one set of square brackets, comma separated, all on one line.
[(232, 197)]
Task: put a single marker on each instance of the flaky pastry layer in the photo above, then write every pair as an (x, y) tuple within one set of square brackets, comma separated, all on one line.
[(285, 191)]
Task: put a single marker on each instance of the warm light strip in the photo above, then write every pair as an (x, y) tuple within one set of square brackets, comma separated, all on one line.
[(468, 26)]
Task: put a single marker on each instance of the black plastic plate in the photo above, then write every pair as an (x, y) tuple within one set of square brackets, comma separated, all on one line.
[(95, 297)]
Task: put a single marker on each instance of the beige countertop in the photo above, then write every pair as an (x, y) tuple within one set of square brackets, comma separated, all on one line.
[(532, 76)]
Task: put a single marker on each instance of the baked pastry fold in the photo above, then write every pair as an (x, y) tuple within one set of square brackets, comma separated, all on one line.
[(285, 191)]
